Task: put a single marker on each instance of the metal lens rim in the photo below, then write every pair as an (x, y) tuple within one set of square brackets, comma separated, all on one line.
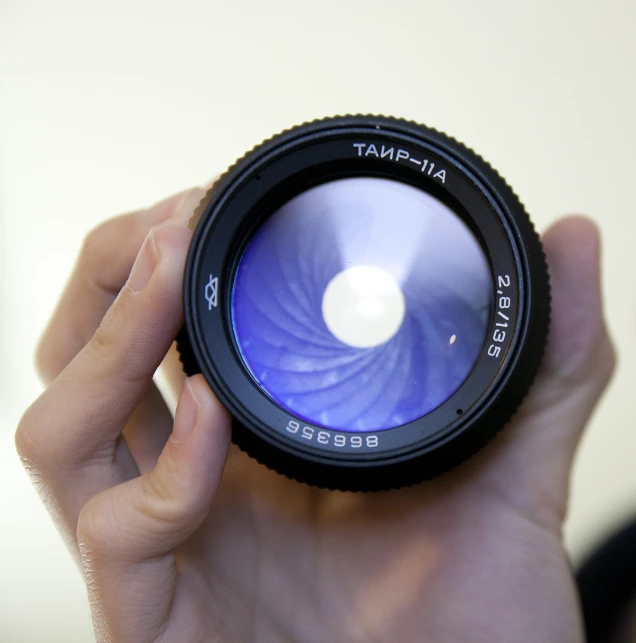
[(287, 166)]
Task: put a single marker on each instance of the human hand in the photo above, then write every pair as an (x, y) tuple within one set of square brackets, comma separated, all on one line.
[(177, 548)]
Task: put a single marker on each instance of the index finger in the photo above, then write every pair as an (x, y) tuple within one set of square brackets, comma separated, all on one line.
[(70, 438), (101, 270)]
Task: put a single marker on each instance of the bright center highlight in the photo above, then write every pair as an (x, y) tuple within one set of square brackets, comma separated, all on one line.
[(363, 306)]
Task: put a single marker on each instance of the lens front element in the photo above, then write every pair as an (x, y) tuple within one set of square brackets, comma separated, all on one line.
[(362, 304)]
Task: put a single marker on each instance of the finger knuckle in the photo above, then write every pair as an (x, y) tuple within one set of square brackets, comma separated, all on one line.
[(159, 498), (37, 440), (27, 442), (591, 360), (101, 348), (93, 533), (600, 359), (120, 351), (102, 340), (608, 360), (47, 360), (95, 244), (109, 343), (169, 502)]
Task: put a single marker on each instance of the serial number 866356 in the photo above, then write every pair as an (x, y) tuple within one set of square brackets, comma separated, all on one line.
[(336, 439)]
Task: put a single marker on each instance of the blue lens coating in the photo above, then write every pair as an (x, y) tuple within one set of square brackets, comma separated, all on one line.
[(362, 304)]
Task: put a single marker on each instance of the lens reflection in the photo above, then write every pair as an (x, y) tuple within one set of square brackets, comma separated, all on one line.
[(362, 304)]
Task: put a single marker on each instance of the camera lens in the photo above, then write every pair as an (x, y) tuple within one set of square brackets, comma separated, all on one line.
[(368, 298), (362, 304)]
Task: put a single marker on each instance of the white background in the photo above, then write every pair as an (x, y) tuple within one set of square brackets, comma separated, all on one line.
[(107, 106)]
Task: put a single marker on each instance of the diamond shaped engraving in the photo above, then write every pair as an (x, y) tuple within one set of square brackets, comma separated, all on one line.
[(211, 289)]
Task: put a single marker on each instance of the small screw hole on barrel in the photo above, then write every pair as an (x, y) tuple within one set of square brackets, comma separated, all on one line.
[(459, 411), (257, 177)]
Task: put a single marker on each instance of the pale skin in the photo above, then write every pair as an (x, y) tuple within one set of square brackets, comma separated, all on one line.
[(182, 538)]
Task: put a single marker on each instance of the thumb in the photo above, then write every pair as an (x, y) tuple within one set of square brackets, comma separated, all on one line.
[(579, 359), (127, 534), (531, 460)]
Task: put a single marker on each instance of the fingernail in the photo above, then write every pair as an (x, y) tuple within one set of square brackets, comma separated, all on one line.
[(190, 201), (171, 207), (208, 184), (144, 265), (187, 414)]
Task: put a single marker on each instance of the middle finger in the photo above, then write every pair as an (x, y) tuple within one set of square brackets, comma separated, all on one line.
[(71, 436), (101, 271)]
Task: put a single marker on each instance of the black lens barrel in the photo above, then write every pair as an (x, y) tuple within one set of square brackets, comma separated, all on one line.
[(332, 150)]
